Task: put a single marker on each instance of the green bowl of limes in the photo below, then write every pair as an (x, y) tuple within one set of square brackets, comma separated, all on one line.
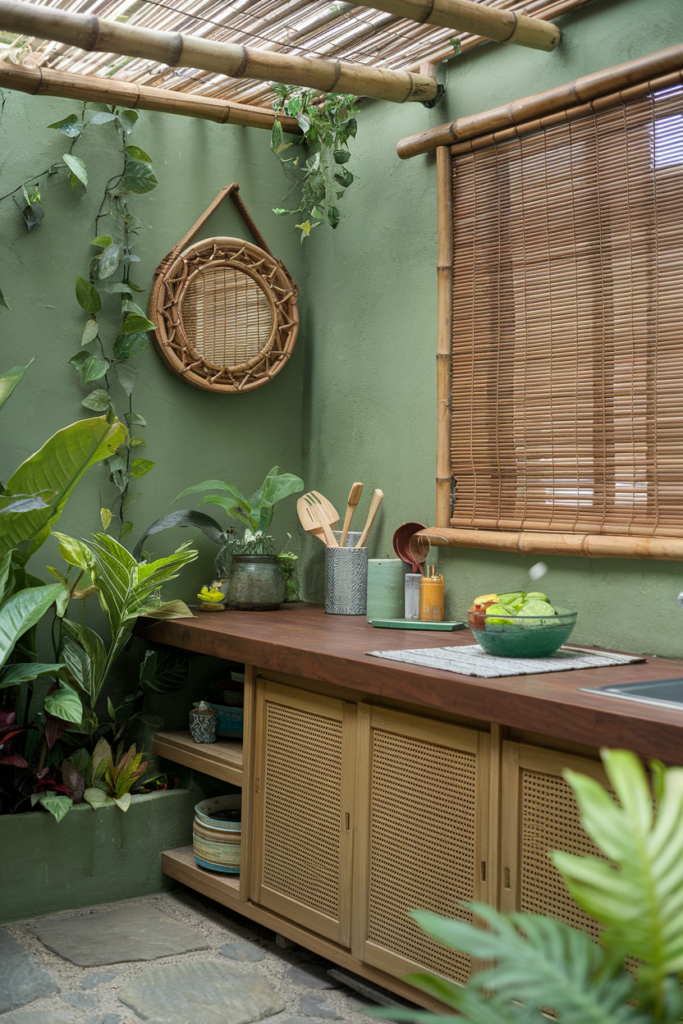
[(521, 625)]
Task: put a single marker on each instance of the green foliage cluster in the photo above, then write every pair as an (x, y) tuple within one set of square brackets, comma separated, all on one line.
[(112, 777), (108, 287), (537, 964), (327, 123), (255, 513)]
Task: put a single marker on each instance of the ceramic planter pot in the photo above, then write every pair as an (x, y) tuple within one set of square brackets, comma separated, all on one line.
[(216, 835), (256, 583)]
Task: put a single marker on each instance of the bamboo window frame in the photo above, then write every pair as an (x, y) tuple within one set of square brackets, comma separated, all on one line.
[(530, 540)]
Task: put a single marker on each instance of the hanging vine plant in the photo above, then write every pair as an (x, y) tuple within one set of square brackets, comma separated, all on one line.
[(327, 123)]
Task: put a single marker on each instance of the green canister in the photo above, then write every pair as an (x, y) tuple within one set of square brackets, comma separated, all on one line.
[(386, 588)]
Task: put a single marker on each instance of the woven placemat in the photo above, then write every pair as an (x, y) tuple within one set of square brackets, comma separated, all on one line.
[(472, 660)]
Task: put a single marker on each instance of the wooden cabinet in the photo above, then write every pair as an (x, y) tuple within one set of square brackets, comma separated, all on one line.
[(304, 774), (421, 836), (538, 815)]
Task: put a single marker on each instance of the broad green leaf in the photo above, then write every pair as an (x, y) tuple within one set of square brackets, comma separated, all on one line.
[(102, 117), (128, 345), (126, 527), (138, 154), (344, 177), (98, 400), (22, 611), (74, 551), (127, 376), (135, 324), (105, 516), (65, 704), (3, 301), (139, 467), (341, 156), (182, 518), (216, 485), (102, 241), (9, 380), (77, 169), (110, 709), (23, 502), (128, 306), (135, 419), (138, 442), (109, 261), (57, 467), (56, 803), (121, 287), (85, 656), (123, 802), (276, 137), (87, 296), (127, 119), (138, 177), (130, 499), (89, 366), (90, 331), (164, 671), (13, 675), (166, 610), (96, 797), (69, 126)]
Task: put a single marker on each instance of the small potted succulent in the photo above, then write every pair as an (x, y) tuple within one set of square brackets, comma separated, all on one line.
[(246, 561)]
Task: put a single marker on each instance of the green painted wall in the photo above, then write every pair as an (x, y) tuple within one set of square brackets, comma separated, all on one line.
[(357, 401), (91, 857), (191, 435), (369, 382)]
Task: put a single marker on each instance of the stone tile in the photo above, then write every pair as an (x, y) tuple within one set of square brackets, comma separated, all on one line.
[(117, 936), (243, 950), (213, 993), (83, 1000), (311, 975), (110, 1018), (35, 1017), (313, 1006), (98, 978), (21, 979)]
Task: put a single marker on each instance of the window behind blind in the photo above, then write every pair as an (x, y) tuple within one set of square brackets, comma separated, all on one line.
[(567, 357)]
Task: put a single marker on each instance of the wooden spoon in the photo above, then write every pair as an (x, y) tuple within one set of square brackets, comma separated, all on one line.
[(374, 508), (354, 498), (309, 521)]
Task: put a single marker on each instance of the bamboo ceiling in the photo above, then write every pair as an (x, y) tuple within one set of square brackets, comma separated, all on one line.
[(316, 29)]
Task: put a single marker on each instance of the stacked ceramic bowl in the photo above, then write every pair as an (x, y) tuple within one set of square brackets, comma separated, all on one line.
[(217, 834)]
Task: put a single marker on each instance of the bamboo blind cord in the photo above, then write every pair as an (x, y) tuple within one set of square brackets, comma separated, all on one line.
[(536, 109), (566, 421)]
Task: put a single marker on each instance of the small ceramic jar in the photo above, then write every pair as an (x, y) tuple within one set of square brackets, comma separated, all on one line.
[(203, 723)]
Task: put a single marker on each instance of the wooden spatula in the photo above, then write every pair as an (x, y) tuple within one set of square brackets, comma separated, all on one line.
[(354, 498), (310, 521), (374, 508)]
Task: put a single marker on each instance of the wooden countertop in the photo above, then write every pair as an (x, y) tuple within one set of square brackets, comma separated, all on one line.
[(302, 640)]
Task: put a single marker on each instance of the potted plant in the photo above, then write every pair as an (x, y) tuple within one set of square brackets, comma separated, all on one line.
[(247, 562)]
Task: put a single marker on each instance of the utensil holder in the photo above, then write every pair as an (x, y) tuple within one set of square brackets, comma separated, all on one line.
[(386, 588), (352, 537), (346, 581)]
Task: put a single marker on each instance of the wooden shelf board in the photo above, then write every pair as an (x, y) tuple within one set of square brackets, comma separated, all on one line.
[(222, 759), (181, 865)]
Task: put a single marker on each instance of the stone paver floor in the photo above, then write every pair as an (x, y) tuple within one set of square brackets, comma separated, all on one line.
[(235, 974)]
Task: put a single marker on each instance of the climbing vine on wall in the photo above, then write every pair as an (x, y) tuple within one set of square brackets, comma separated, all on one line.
[(107, 289)]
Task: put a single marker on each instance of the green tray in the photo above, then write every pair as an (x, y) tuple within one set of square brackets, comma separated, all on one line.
[(443, 627)]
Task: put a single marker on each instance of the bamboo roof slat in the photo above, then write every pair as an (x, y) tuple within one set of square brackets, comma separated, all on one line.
[(354, 34)]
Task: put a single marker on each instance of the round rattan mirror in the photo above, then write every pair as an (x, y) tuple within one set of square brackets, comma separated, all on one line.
[(225, 310)]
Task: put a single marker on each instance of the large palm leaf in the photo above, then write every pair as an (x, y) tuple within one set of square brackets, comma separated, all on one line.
[(638, 894), (53, 472)]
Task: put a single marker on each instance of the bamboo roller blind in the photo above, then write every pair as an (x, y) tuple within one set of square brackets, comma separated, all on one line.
[(567, 355)]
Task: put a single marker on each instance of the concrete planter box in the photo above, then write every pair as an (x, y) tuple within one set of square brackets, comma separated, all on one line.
[(90, 857)]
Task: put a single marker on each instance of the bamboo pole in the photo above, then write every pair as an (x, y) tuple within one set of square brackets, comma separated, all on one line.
[(589, 545), (465, 16), (173, 49), (45, 82), (444, 270), (583, 90)]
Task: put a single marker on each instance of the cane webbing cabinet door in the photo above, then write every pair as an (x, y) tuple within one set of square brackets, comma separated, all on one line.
[(422, 841), (539, 814), (303, 807)]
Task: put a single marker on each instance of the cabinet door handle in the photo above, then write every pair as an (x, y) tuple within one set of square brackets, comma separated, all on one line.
[(483, 871), (507, 878), (347, 821)]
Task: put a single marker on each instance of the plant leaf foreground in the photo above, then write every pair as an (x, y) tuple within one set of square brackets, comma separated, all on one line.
[(534, 964)]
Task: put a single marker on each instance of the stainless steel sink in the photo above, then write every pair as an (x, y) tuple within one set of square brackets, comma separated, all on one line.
[(664, 693)]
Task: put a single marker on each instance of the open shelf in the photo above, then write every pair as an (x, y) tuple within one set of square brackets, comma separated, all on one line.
[(222, 759), (180, 864)]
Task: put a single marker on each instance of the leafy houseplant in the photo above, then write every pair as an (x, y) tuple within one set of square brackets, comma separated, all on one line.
[(636, 894), (327, 125)]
